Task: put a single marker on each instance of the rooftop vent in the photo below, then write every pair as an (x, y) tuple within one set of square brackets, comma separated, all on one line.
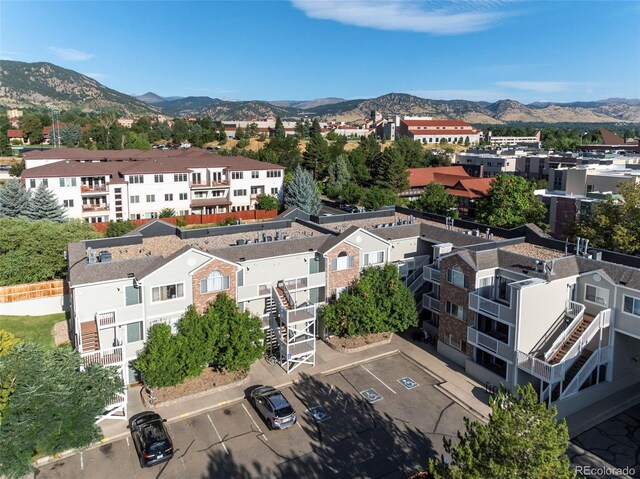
[(104, 257)]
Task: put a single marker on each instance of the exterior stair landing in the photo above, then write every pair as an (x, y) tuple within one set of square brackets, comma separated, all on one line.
[(571, 340), (89, 337)]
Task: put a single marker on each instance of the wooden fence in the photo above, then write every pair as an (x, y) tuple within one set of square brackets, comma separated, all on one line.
[(247, 215), (23, 292)]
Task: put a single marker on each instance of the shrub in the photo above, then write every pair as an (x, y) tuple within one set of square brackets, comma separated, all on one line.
[(119, 228)]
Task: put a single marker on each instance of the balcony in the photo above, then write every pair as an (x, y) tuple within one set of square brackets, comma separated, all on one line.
[(119, 315), (105, 357), (493, 308), (494, 342), (208, 184), (91, 208), (431, 274), (93, 189), (431, 302)]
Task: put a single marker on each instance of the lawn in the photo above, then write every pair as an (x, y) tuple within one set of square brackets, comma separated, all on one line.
[(36, 329)]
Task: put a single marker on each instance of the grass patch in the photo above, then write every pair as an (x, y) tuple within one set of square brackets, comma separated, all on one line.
[(35, 329)]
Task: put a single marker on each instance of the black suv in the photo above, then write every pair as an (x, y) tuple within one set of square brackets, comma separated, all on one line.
[(273, 407), (151, 438)]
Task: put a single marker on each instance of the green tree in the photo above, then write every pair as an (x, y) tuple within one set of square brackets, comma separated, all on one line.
[(17, 168), (14, 200), (378, 302), (138, 141), (352, 193), (5, 146), (118, 228), (159, 362), (284, 151), (7, 342), (332, 135), (167, 213), (44, 205), (467, 142), (238, 337), (300, 130), (240, 135), (339, 175), (511, 202), (302, 193), (279, 131), (370, 149), (31, 125), (377, 197), (411, 152), (195, 342), (316, 156), (267, 202), (391, 171), (436, 199), (222, 134), (252, 130), (53, 406), (523, 439), (32, 251), (179, 131)]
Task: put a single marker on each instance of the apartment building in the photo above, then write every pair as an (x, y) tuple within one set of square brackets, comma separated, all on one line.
[(131, 184), (533, 141), (591, 178), (509, 306), (430, 131), (488, 164)]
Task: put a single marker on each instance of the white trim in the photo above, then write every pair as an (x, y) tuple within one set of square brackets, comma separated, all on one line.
[(359, 230), (238, 266), (605, 304), (627, 312), (184, 295), (364, 255)]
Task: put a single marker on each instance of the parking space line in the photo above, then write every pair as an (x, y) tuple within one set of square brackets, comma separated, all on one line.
[(219, 437), (127, 439), (254, 422), (381, 381), (81, 461)]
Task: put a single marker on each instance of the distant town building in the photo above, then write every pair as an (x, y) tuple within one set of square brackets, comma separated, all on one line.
[(533, 141)]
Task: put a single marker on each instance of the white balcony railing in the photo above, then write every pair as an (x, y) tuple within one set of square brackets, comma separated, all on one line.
[(119, 315), (500, 348), (599, 357), (484, 305), (431, 303), (106, 357), (574, 310), (106, 319), (431, 274)]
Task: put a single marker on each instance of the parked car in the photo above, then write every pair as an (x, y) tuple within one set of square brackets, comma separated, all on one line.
[(273, 407), (351, 209), (150, 438)]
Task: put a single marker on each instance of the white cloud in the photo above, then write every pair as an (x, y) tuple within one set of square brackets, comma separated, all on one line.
[(539, 86), (437, 17), (71, 54)]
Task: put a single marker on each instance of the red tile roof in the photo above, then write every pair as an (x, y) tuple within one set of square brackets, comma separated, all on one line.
[(421, 177), (472, 187), (444, 132), (435, 123), (14, 133)]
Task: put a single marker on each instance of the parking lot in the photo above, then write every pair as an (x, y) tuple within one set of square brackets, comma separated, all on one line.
[(384, 418)]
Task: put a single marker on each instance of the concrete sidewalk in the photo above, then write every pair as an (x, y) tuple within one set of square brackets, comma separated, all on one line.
[(452, 382)]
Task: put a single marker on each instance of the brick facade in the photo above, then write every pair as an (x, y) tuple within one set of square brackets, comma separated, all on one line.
[(200, 300), (340, 279), (450, 292)]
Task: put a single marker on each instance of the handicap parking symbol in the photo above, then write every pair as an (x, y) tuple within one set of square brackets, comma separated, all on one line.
[(408, 383), (318, 413), (371, 395)]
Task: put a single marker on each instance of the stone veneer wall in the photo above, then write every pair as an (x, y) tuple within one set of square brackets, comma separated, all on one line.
[(458, 295), (200, 300), (340, 279)]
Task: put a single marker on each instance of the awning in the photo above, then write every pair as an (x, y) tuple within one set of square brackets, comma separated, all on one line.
[(210, 202)]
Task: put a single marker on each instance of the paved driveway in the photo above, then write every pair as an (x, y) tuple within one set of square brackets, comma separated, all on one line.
[(359, 422)]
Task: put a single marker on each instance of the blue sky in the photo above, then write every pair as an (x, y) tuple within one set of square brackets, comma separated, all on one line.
[(305, 49)]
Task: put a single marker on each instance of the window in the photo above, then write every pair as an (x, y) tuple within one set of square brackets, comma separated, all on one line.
[(237, 175), (374, 258), (45, 181), (132, 295), (255, 174), (342, 262), (134, 332), (316, 265), (32, 183), (274, 173), (151, 198), (183, 196), (214, 282), (501, 288), (338, 291), (68, 203), (178, 177), (65, 182), (168, 197), (136, 179), (170, 291), (457, 277), (257, 190), (596, 295), (632, 305), (452, 341), (239, 192), (455, 310), (158, 178), (274, 191), (134, 199), (134, 216)]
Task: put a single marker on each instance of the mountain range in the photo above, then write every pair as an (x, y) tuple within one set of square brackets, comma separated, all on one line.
[(37, 84)]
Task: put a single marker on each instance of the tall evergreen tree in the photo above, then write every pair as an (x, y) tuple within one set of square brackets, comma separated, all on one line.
[(339, 175), (279, 129), (391, 171), (299, 129), (302, 193), (315, 128), (316, 156), (14, 200), (5, 146), (44, 205)]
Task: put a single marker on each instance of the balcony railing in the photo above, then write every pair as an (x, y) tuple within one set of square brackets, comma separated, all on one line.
[(106, 319), (490, 343), (208, 184), (102, 207), (106, 357), (430, 302), (496, 309), (90, 189), (431, 274), (572, 310), (297, 283)]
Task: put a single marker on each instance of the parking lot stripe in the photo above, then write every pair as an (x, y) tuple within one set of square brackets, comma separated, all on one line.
[(81, 461), (219, 437), (127, 439), (381, 381), (254, 422)]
